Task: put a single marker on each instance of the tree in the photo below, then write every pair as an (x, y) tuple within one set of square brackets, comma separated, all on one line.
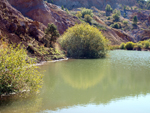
[(62, 7), (108, 10), (84, 41), (17, 72), (135, 20), (51, 33)]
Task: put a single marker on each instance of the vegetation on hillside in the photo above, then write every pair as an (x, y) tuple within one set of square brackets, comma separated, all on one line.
[(136, 46), (84, 41)]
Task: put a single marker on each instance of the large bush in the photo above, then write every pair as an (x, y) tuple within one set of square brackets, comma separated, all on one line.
[(84, 41), (129, 45), (17, 72)]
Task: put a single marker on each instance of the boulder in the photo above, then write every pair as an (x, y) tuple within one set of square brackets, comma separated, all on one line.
[(22, 30), (33, 31)]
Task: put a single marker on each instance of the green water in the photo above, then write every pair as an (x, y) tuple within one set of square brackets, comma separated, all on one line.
[(119, 83)]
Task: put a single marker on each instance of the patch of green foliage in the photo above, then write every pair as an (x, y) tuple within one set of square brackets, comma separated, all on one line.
[(115, 25), (146, 44), (79, 14), (139, 46), (17, 72), (122, 46), (116, 15), (84, 41), (125, 22), (85, 11), (88, 18)]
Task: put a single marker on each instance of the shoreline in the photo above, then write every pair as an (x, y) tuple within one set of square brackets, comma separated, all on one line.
[(53, 61)]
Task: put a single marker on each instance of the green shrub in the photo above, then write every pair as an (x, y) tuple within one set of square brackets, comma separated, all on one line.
[(79, 14), (108, 18), (146, 44), (116, 17), (84, 41), (125, 22), (122, 46), (129, 45), (17, 72), (85, 11), (88, 19), (115, 25)]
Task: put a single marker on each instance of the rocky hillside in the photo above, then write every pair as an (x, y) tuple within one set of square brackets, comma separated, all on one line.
[(139, 32), (39, 11), (27, 19), (100, 4), (45, 13)]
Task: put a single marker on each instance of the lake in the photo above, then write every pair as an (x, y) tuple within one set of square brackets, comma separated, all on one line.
[(119, 83)]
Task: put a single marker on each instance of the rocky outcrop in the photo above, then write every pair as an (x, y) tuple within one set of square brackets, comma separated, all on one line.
[(45, 13), (100, 4)]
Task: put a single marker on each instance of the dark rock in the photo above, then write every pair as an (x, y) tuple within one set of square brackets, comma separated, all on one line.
[(21, 30), (33, 31), (12, 27)]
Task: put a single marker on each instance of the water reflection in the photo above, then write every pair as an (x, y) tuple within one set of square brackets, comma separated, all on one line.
[(71, 83), (82, 74)]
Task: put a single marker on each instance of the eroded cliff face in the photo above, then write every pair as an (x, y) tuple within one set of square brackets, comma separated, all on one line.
[(14, 26), (45, 13), (100, 4)]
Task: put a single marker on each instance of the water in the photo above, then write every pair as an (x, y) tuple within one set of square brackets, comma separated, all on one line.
[(119, 83)]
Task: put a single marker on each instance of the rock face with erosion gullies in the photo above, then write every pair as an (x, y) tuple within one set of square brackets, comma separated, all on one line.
[(16, 28), (100, 4), (14, 25), (45, 13)]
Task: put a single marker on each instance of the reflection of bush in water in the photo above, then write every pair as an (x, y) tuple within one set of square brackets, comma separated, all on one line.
[(83, 74)]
